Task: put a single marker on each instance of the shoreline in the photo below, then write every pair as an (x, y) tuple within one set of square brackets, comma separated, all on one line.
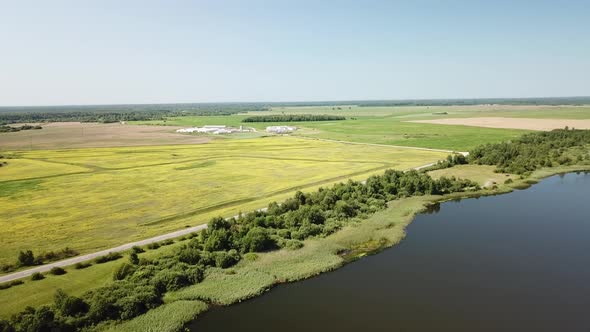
[(380, 231)]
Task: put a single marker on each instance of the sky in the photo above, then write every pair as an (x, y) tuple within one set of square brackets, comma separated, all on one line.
[(121, 52)]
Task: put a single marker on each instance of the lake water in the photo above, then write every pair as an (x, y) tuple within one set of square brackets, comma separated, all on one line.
[(514, 262)]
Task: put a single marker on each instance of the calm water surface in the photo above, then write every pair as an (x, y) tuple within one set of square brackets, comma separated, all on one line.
[(515, 262)]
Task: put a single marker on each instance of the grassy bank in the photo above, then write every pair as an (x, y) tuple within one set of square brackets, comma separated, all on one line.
[(167, 318)]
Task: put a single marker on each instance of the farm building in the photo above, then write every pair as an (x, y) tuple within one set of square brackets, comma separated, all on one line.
[(280, 129), (212, 129)]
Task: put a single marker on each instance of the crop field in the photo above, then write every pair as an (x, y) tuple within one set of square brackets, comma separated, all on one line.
[(129, 193), (394, 126), (513, 123), (67, 135), (513, 111)]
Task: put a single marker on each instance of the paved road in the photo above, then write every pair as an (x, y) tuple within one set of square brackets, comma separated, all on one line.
[(87, 257)]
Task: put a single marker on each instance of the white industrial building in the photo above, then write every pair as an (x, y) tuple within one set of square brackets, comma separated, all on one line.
[(212, 129), (280, 129)]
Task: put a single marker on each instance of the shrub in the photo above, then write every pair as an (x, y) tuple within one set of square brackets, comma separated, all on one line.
[(508, 181), (26, 258), (284, 233), (54, 256), (153, 246), (123, 271), (189, 255), (225, 259), (257, 239), (294, 244), (37, 276), (69, 305), (170, 280), (137, 250), (11, 283), (7, 267), (111, 256), (133, 259), (82, 265), (57, 271)]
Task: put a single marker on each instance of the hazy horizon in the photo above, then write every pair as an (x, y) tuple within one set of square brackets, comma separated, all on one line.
[(152, 52), (304, 102)]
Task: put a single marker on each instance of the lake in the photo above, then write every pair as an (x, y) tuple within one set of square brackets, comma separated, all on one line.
[(514, 262)]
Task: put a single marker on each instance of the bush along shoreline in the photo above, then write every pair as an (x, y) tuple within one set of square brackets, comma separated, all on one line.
[(139, 284)]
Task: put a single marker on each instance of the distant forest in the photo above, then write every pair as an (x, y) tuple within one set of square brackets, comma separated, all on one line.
[(482, 101), (117, 113), (293, 118), (143, 112)]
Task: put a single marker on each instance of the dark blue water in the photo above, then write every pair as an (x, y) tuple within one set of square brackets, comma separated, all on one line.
[(515, 262)]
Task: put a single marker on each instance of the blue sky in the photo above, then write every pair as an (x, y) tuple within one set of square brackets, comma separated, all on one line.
[(107, 52)]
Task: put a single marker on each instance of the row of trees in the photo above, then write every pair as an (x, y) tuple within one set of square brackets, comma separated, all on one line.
[(535, 150), (140, 283), (114, 113), (450, 161), (293, 118), (11, 129), (103, 117)]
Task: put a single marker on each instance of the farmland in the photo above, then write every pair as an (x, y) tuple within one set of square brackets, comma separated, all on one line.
[(124, 194), (105, 189), (67, 135), (391, 126)]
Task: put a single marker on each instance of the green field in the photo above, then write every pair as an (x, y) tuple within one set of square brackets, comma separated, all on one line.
[(96, 198), (388, 125)]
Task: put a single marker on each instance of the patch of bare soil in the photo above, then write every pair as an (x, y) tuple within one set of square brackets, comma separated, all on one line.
[(513, 123), (59, 135)]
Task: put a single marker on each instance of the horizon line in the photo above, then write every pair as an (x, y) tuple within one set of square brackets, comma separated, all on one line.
[(299, 101)]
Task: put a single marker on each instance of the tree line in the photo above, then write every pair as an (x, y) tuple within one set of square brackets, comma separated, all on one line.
[(102, 117), (293, 118), (535, 150), (139, 284), (111, 114), (11, 129)]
